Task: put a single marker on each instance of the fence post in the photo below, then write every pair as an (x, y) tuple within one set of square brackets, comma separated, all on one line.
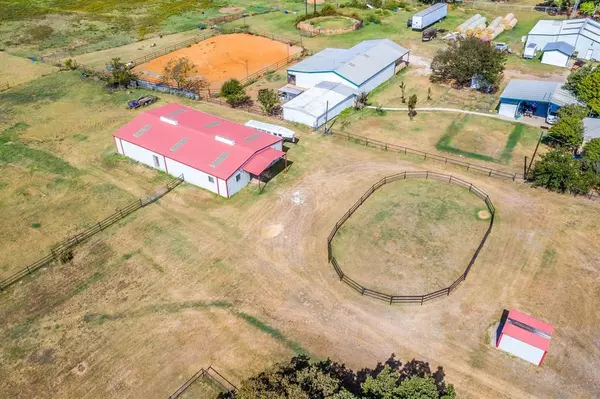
[(99, 225), (470, 187), (141, 204), (362, 290), (422, 300)]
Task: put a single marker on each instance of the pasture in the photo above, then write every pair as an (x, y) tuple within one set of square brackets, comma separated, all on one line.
[(17, 70), (241, 283)]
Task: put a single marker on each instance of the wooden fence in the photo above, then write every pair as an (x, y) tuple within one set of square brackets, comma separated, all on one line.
[(148, 57), (428, 156), (62, 250), (508, 6), (4, 87), (213, 375), (409, 298)]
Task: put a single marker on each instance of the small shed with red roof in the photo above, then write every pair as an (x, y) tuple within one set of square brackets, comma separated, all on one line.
[(210, 152), (524, 336)]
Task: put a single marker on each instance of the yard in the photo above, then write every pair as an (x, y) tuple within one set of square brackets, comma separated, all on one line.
[(195, 279), (404, 239)]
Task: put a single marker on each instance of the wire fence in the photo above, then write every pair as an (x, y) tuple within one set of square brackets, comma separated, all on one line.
[(212, 375), (391, 299), (62, 252), (427, 156)]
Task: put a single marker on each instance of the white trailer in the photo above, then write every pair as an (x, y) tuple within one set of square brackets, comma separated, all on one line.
[(429, 16), (274, 130)]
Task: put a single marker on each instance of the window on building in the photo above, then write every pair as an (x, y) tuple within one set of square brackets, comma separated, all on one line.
[(210, 179), (238, 177), (156, 161)]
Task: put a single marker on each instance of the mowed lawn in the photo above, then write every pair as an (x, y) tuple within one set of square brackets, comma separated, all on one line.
[(197, 280), (411, 237)]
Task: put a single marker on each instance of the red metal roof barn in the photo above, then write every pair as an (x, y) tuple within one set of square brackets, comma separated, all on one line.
[(524, 336), (210, 152)]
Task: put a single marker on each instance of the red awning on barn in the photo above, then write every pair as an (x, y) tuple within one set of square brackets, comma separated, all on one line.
[(261, 161)]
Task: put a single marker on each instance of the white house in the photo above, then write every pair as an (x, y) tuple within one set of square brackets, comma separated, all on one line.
[(582, 34), (557, 53), (319, 104), (524, 336), (210, 152), (360, 69)]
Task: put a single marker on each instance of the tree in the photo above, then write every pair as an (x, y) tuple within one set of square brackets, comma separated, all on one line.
[(402, 88), (234, 93), (466, 58), (269, 101), (181, 71), (429, 94), (591, 154), (559, 171), (303, 379), (588, 8), (412, 104), (362, 100), (588, 90), (418, 388), (120, 75), (575, 77), (568, 131)]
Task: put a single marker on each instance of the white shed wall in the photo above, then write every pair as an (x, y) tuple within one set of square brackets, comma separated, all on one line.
[(509, 110), (584, 45), (310, 80), (142, 155), (581, 43), (555, 58), (378, 79), (335, 111), (293, 115), (521, 349), (193, 176)]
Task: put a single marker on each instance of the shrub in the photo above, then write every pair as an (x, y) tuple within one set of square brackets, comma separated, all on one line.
[(238, 100), (40, 32), (355, 4), (231, 87), (374, 19), (328, 10), (269, 101)]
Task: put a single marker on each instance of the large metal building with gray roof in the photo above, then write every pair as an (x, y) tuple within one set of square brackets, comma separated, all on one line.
[(351, 71), (542, 97), (583, 34)]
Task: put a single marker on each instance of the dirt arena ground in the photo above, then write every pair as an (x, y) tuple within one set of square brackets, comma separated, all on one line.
[(240, 283), (223, 57)]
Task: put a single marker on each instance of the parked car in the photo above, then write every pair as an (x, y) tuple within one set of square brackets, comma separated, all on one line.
[(141, 102), (530, 51), (578, 64), (552, 118), (501, 47)]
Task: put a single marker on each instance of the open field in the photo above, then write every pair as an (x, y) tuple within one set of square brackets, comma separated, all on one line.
[(497, 143), (224, 57), (411, 237), (16, 70), (241, 283)]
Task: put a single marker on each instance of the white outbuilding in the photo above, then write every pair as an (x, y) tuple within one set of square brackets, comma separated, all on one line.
[(557, 53), (582, 34), (524, 336), (319, 104)]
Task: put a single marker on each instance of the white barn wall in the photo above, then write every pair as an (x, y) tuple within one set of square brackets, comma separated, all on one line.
[(335, 111), (310, 80), (193, 176), (377, 79), (234, 186), (223, 188), (555, 58), (584, 44), (142, 155), (581, 43), (521, 349), (294, 115)]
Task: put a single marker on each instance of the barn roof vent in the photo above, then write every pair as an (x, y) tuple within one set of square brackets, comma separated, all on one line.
[(169, 121), (179, 144), (212, 124), (143, 130), (177, 112), (252, 137), (225, 140), (219, 159)]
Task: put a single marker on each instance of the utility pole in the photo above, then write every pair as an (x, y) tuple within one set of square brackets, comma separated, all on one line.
[(535, 151), (525, 169), (306, 7), (326, 116)]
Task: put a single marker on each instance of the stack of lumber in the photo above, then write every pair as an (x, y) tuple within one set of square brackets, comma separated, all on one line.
[(462, 28), (509, 21)]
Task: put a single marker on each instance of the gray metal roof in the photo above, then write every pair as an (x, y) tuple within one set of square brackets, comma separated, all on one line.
[(537, 90), (431, 9), (591, 129), (563, 47), (586, 27), (357, 64), (314, 101)]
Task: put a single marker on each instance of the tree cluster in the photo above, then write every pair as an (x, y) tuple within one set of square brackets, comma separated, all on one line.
[(303, 379), (468, 58), (182, 72), (560, 169), (585, 85), (269, 102), (235, 94), (120, 75)]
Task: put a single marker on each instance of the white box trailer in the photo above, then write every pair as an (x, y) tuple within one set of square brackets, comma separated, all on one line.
[(429, 16), (274, 130)]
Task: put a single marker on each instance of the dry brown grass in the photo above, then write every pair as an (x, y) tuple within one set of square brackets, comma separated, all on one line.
[(192, 281), (16, 70)]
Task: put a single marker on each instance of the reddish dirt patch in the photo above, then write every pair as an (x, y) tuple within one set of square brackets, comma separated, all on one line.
[(231, 10), (224, 57)]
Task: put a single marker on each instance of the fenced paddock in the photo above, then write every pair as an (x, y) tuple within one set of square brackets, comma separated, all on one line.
[(63, 250), (205, 383), (393, 298)]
